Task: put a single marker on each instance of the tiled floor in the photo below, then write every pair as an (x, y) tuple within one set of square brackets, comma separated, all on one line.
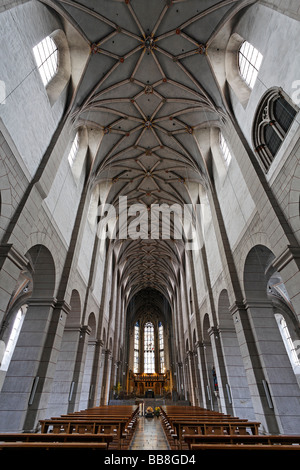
[(149, 435)]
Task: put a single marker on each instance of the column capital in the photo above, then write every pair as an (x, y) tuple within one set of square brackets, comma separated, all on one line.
[(190, 354), (42, 302), (213, 330), (290, 253), (63, 305), (10, 252), (260, 303), (236, 307), (85, 330)]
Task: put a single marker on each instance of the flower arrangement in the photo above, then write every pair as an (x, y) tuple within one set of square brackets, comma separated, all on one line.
[(157, 410), (149, 412)]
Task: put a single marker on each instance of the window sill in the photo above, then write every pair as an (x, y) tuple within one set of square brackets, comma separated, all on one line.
[(285, 151)]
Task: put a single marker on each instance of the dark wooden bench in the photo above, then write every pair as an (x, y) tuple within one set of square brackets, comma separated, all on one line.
[(118, 421), (247, 440)]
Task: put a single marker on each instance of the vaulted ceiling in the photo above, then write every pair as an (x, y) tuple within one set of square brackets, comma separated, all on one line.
[(148, 85)]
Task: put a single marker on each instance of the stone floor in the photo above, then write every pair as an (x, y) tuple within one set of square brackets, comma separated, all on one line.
[(149, 435)]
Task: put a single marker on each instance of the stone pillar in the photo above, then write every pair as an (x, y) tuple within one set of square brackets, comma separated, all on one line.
[(202, 386), (106, 377), (180, 381), (96, 377), (28, 381), (192, 378), (236, 386), (288, 265), (80, 361), (279, 390), (11, 264)]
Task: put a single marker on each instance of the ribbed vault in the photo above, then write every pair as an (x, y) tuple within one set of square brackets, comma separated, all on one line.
[(147, 86)]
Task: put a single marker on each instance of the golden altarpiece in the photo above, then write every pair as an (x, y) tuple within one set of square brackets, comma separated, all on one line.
[(149, 359)]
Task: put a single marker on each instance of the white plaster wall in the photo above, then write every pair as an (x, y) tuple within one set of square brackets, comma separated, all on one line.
[(27, 113), (86, 250), (200, 283), (213, 255), (270, 32), (63, 198), (98, 282), (236, 203)]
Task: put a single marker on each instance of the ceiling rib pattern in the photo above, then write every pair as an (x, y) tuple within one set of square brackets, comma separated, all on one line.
[(148, 86)]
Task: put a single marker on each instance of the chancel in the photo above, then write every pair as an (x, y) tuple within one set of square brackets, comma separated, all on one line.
[(150, 225)]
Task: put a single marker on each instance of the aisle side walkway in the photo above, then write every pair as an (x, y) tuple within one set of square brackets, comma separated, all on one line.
[(149, 435)]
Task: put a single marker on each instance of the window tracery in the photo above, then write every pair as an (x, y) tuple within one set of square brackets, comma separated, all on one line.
[(149, 351), (136, 348), (161, 347), (275, 116)]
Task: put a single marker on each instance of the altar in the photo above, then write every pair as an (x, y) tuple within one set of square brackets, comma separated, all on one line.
[(149, 385)]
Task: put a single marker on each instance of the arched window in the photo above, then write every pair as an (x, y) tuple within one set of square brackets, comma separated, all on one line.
[(250, 60), (46, 57), (161, 347), (275, 115), (289, 345), (74, 150), (136, 348), (225, 149), (13, 338), (149, 353)]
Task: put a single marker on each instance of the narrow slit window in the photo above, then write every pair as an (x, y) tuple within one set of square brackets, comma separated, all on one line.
[(250, 60), (73, 150), (225, 150), (13, 338), (46, 57), (161, 347), (136, 348), (289, 345)]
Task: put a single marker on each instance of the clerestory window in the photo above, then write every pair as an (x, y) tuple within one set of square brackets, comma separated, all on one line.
[(13, 338), (46, 57), (250, 60), (288, 342), (273, 120), (225, 150), (74, 150)]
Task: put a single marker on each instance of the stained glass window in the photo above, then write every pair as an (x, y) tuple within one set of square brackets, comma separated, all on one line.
[(149, 353), (161, 347), (136, 348)]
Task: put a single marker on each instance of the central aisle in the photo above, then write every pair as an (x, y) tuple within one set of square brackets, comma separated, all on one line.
[(149, 435)]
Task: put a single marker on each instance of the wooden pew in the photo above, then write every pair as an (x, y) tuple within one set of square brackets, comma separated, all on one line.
[(53, 445), (119, 421), (254, 441), (57, 438), (96, 428), (177, 421)]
